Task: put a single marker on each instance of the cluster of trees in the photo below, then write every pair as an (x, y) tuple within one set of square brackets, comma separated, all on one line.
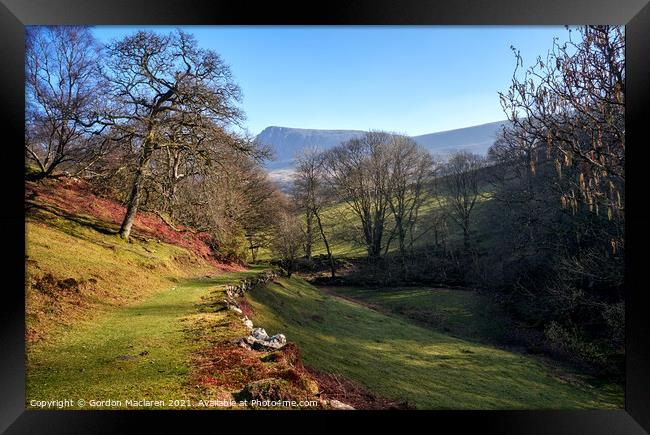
[(156, 118), (549, 233), (384, 180), (559, 202)]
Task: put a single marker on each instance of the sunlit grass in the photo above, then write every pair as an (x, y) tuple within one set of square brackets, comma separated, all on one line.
[(122, 273), (123, 335), (402, 361), (343, 228), (136, 352), (462, 313)]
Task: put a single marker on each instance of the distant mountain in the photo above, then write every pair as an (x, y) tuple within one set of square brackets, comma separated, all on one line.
[(476, 139), (288, 141)]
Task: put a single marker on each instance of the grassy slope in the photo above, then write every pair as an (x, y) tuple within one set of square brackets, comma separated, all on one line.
[(340, 222), (399, 360), (116, 273), (137, 352), (461, 313), (85, 341)]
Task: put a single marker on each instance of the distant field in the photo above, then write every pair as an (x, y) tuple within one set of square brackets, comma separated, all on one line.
[(402, 361)]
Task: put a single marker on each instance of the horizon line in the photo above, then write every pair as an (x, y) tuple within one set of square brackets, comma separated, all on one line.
[(367, 130)]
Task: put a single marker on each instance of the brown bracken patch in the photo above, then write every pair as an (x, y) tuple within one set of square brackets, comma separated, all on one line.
[(73, 197), (345, 390), (228, 367), (245, 307)]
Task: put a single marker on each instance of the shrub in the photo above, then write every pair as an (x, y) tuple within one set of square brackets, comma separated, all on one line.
[(568, 341)]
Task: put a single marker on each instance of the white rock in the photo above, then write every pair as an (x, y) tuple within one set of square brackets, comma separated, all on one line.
[(278, 340), (260, 337), (260, 334), (340, 405)]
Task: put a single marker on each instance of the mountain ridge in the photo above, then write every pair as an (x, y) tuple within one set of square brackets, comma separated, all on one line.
[(287, 141)]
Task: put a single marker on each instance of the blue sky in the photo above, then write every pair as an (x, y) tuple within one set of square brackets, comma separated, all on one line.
[(413, 80)]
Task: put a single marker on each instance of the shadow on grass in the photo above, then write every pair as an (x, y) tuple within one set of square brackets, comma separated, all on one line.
[(35, 211), (72, 223), (403, 360)]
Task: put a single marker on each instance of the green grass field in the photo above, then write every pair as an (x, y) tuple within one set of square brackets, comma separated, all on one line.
[(137, 352), (120, 330), (111, 320), (463, 313), (402, 361), (111, 273)]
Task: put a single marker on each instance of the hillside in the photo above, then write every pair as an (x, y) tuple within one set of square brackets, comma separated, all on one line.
[(76, 264), (113, 319), (288, 141), (476, 139), (140, 324), (424, 367)]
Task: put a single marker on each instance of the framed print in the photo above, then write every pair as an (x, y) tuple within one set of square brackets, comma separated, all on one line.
[(367, 210)]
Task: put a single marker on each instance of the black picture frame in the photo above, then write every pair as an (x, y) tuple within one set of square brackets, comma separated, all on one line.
[(15, 14)]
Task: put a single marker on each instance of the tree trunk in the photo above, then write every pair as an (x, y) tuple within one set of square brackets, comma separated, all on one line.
[(309, 236), (134, 198), (327, 245), (375, 247), (401, 235), (252, 248)]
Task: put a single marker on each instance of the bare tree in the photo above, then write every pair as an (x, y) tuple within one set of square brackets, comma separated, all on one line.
[(235, 201), (311, 195), (261, 210), (195, 154), (558, 203), (305, 181), (287, 241), (63, 88), (410, 171), (358, 172), (162, 87), (573, 103), (460, 180)]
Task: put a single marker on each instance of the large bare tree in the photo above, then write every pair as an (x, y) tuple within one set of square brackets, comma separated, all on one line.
[(167, 93), (572, 102), (558, 205), (311, 195), (410, 171), (460, 181), (64, 95), (358, 171), (287, 241)]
